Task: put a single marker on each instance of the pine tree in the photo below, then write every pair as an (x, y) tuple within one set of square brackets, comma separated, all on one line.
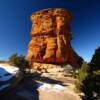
[(95, 62)]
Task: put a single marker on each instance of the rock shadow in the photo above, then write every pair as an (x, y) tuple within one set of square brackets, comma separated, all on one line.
[(25, 90)]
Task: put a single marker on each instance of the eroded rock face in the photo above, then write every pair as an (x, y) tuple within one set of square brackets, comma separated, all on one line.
[(51, 36)]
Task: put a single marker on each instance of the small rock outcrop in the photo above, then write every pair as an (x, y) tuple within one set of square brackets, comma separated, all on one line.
[(51, 37)]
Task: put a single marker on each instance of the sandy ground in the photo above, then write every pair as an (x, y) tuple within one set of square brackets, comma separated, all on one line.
[(67, 95)]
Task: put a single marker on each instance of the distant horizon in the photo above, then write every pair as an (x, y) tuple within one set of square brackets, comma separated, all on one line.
[(15, 25)]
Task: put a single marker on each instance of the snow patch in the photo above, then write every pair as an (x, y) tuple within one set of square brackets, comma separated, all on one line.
[(45, 86), (10, 69), (52, 87), (58, 87), (6, 74)]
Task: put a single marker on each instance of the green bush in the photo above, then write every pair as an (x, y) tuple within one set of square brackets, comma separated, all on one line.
[(88, 82), (83, 73), (19, 61), (95, 62)]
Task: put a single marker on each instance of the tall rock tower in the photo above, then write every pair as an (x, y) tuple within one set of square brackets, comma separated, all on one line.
[(50, 38)]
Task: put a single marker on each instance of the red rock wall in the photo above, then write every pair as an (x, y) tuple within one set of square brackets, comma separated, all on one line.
[(51, 36)]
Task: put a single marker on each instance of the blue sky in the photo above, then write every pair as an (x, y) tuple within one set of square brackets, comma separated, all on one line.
[(15, 24)]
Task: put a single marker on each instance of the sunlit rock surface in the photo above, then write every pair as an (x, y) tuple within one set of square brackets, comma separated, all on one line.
[(51, 37)]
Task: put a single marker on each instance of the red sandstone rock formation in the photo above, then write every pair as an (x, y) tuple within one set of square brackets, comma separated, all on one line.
[(51, 36)]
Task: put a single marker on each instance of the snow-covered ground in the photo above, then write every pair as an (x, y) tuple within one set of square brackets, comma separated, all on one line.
[(7, 73)]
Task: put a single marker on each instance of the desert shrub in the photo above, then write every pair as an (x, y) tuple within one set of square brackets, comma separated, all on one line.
[(96, 80), (19, 61), (13, 59), (85, 82), (88, 82), (83, 73)]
